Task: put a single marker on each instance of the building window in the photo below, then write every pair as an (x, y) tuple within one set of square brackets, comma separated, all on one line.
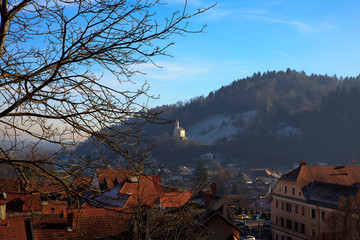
[(302, 228), (296, 226), (299, 193), (303, 211), (279, 189), (285, 189), (282, 222), (313, 232), (277, 220), (296, 209), (277, 204), (288, 223), (312, 213), (322, 215), (293, 191), (282, 205), (288, 207), (276, 237)]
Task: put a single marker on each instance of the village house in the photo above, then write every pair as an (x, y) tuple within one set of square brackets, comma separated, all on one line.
[(115, 204), (303, 197)]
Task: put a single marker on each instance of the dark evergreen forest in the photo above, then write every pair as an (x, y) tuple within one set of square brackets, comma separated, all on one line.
[(325, 108)]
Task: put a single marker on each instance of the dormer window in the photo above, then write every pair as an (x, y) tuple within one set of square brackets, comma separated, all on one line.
[(134, 179), (285, 189)]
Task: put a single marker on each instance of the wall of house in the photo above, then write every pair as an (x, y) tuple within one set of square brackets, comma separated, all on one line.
[(219, 229), (291, 217)]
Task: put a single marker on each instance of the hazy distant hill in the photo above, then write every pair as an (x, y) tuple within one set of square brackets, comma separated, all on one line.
[(273, 118), (270, 119)]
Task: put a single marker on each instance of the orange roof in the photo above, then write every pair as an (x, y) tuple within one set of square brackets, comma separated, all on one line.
[(112, 176), (344, 175), (86, 224), (55, 207), (145, 191), (175, 199), (100, 223), (30, 202), (13, 228)]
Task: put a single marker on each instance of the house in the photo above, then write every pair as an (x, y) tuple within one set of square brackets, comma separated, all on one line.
[(117, 204), (141, 189), (106, 211), (203, 215), (303, 197), (245, 205)]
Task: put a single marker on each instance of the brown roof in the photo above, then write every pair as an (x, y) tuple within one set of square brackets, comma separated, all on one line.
[(146, 191), (175, 199), (112, 176), (13, 228), (343, 175), (10, 185), (85, 223), (26, 201)]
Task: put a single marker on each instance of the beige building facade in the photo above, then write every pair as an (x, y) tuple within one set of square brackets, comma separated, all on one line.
[(302, 198)]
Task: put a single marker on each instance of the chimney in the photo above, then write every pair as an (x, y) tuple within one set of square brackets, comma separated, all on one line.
[(302, 163), (213, 187), (3, 206), (29, 229), (207, 199), (70, 221)]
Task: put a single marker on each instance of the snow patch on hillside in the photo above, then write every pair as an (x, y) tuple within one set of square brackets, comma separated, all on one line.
[(220, 126), (285, 129)]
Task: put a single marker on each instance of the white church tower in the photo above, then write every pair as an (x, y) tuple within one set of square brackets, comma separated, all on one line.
[(179, 131)]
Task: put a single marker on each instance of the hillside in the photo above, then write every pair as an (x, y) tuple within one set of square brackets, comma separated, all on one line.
[(271, 119)]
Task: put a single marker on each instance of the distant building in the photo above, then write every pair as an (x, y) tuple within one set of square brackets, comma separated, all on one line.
[(206, 156), (179, 131), (303, 196)]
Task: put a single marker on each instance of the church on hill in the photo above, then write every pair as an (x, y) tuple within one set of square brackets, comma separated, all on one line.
[(179, 131)]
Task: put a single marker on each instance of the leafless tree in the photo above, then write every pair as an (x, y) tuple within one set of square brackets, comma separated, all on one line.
[(344, 222), (54, 55)]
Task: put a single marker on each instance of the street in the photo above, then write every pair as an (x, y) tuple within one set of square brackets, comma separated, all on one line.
[(254, 226)]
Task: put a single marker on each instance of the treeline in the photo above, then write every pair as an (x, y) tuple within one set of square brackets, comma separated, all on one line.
[(288, 91), (325, 108)]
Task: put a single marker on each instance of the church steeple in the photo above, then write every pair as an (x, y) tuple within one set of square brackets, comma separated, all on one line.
[(179, 131)]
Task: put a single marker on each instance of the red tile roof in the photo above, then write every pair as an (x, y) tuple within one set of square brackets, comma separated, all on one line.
[(82, 224), (146, 191), (175, 199), (344, 175), (111, 176), (30, 202), (13, 228), (55, 207)]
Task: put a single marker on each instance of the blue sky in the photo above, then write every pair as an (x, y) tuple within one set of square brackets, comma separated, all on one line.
[(247, 36)]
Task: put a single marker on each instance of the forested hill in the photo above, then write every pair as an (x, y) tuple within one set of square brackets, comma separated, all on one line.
[(293, 116), (272, 92)]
